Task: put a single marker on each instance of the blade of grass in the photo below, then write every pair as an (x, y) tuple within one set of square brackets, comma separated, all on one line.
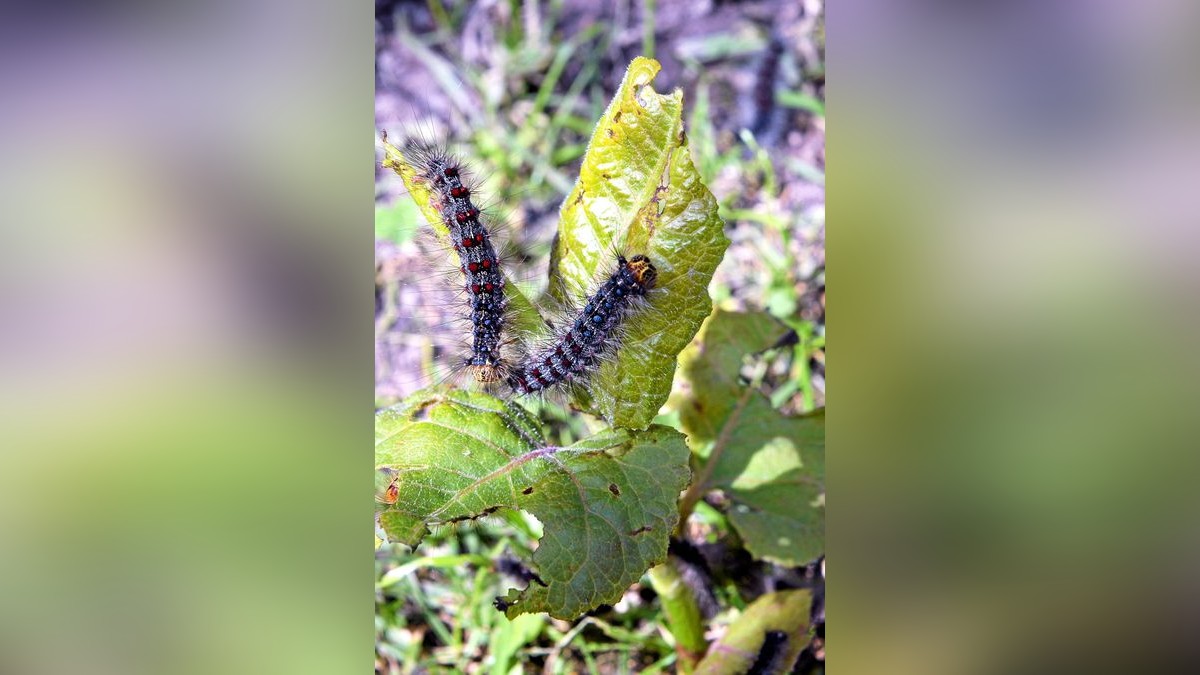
[(771, 220), (444, 73), (437, 562), (661, 665), (416, 592), (801, 101), (648, 8), (770, 182), (561, 56), (440, 17)]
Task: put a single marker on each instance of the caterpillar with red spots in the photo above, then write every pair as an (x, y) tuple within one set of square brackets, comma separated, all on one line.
[(594, 333), (480, 266), (508, 353)]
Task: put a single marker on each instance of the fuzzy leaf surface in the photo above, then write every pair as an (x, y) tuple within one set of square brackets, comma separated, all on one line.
[(638, 192), (772, 466), (607, 503)]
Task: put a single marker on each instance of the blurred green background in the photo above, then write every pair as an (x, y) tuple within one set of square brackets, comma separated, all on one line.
[(1014, 434), (184, 417)]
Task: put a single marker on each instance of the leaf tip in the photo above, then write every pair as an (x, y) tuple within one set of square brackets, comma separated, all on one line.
[(642, 70)]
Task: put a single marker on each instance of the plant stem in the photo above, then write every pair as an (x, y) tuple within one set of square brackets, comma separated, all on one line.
[(683, 615), (700, 482)]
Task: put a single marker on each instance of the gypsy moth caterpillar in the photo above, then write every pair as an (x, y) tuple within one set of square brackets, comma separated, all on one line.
[(595, 332), (470, 236), (509, 350)]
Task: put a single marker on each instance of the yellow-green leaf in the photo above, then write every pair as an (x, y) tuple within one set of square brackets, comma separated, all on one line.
[(638, 192)]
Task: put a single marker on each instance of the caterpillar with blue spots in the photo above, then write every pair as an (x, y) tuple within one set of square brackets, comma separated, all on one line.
[(595, 332)]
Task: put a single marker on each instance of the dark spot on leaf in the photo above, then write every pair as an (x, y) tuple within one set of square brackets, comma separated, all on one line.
[(527, 491), (612, 487), (612, 134), (501, 604), (641, 530), (617, 117), (605, 176)]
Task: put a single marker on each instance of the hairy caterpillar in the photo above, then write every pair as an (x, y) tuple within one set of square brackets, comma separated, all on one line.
[(594, 332), (480, 266), (508, 352)]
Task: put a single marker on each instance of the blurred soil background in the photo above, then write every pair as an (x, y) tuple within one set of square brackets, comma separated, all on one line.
[(515, 89)]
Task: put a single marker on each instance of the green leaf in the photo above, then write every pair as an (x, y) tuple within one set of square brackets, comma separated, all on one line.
[(524, 315), (510, 636), (607, 503), (785, 611), (638, 192), (771, 466)]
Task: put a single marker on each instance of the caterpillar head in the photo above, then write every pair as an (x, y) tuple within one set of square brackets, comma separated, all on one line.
[(643, 271)]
